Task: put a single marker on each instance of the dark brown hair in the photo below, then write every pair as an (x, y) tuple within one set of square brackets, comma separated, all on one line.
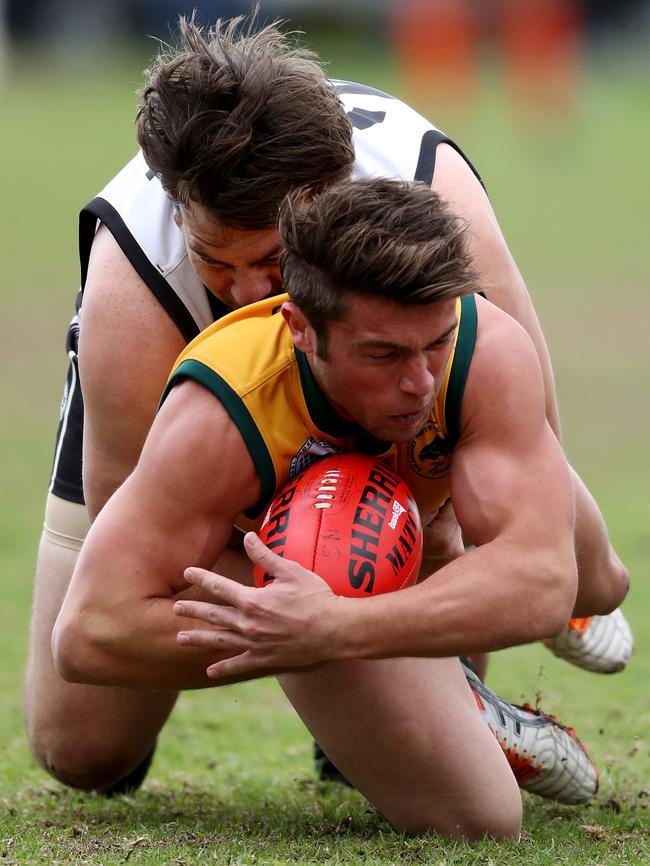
[(385, 238), (234, 119)]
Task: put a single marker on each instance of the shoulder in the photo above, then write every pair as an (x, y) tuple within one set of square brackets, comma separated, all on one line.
[(134, 202), (117, 301), (505, 377), (140, 216), (499, 335), (133, 182), (201, 451), (390, 138), (247, 345)]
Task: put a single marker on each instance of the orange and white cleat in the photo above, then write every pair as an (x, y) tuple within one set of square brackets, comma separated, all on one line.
[(602, 644), (546, 757)]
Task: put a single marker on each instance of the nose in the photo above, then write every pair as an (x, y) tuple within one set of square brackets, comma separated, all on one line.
[(417, 379), (250, 286)]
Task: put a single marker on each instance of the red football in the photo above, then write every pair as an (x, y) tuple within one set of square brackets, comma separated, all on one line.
[(350, 519)]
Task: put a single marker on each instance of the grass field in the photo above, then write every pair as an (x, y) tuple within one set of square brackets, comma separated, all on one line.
[(232, 781)]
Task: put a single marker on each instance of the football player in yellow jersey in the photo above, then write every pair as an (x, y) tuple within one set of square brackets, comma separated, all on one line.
[(185, 232), (373, 269)]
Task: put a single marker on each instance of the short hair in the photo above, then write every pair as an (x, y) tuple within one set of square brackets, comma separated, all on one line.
[(234, 119), (384, 238)]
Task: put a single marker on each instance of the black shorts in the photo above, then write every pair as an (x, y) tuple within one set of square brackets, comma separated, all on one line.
[(66, 479)]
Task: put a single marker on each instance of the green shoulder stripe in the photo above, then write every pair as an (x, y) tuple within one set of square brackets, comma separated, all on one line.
[(460, 367), (237, 410)]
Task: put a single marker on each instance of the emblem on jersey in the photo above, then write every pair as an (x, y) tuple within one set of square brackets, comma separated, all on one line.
[(309, 452), (429, 453)]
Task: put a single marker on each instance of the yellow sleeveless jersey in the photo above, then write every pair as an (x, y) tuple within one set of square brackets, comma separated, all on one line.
[(248, 360)]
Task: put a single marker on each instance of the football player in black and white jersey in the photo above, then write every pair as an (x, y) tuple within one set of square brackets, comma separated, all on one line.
[(228, 124)]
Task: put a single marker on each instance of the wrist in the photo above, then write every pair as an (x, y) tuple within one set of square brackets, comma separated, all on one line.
[(344, 632)]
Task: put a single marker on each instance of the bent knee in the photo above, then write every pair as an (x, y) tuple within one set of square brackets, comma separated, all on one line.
[(493, 817), (84, 762)]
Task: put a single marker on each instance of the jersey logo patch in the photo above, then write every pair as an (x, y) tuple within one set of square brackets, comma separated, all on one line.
[(429, 453), (309, 452)]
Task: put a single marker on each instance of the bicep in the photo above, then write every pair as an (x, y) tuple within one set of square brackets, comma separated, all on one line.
[(517, 493), (127, 346), (177, 508), (509, 475)]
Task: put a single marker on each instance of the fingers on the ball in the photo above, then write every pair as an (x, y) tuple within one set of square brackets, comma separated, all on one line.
[(261, 555)]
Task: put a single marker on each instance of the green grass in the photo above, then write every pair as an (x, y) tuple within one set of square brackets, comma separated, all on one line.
[(232, 780)]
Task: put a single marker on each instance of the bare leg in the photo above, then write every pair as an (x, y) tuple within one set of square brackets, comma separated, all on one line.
[(88, 737), (407, 733)]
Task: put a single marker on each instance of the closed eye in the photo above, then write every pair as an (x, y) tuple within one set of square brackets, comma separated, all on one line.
[(381, 356), (443, 341)]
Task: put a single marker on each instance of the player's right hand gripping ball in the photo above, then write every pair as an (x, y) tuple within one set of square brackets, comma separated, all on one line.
[(350, 519)]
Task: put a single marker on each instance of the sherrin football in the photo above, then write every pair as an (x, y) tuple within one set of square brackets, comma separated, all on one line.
[(350, 519)]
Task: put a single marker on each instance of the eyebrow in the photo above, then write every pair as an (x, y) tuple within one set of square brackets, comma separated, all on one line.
[(387, 344), (273, 251)]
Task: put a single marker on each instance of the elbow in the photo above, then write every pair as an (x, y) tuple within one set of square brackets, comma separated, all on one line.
[(619, 586), (77, 650), (67, 651), (558, 582), (603, 590)]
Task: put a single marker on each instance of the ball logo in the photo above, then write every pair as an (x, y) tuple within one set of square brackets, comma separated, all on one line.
[(370, 515), (398, 510)]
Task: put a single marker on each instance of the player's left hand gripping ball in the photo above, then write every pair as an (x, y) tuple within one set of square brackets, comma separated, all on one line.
[(350, 519)]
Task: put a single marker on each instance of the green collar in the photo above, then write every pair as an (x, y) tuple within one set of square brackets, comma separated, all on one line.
[(327, 419)]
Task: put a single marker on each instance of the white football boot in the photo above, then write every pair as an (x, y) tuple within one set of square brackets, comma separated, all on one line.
[(546, 757), (602, 644)]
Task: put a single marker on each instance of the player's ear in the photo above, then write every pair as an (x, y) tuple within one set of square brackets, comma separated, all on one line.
[(302, 332)]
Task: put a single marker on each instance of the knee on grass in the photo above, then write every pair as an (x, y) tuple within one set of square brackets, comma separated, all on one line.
[(498, 819), (89, 765)]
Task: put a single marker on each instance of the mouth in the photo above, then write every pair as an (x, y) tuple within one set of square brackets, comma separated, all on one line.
[(408, 418)]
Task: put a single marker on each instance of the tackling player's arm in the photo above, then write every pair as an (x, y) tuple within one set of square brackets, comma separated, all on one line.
[(120, 319), (195, 475), (603, 578), (504, 285)]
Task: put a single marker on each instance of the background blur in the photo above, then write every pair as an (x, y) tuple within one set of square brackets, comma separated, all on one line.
[(549, 98)]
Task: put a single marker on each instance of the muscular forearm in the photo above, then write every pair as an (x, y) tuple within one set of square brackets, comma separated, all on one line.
[(488, 599), (141, 651), (493, 597), (135, 644), (138, 649)]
